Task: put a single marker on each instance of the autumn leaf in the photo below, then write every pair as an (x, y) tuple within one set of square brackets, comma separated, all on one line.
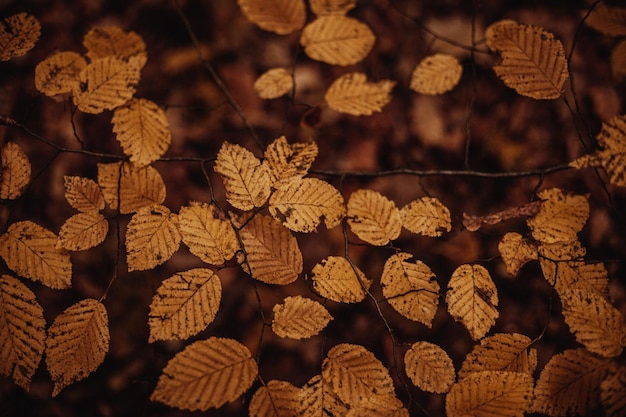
[(83, 194), (83, 231), (472, 299), (373, 218), (15, 171), (275, 399), (137, 187), (299, 318), (59, 73), (429, 367), (533, 62), (379, 405), (337, 40), (353, 94), (273, 83), (560, 217), (22, 331), (426, 216), (436, 74), (206, 374), (613, 391), (112, 41), (77, 343), (279, 16), (30, 250), (610, 20), (335, 278), (184, 304), (18, 35), (473, 223), (287, 162), (516, 252), (317, 399)]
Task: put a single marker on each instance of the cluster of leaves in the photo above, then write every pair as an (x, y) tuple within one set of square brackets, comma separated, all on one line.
[(272, 198)]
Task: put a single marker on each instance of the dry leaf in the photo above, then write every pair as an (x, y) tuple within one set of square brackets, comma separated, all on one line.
[(317, 399), (426, 216), (353, 94), (560, 217), (436, 74), (286, 162), (14, 171), (613, 391), (276, 399), (334, 278), (106, 83), (501, 352), (142, 130), (78, 341), (337, 40), (609, 20), (594, 322), (271, 251), (206, 374), (83, 231), (22, 331), (59, 73), (429, 367), (138, 186), (83, 194), (112, 41), (185, 304), (18, 35), (273, 83), (373, 218), (210, 238), (490, 393), (152, 237), (569, 384), (379, 405), (516, 252), (354, 373), (533, 62), (472, 299), (279, 16), (299, 318), (473, 223), (303, 203), (31, 251), (330, 7), (411, 288), (246, 180)]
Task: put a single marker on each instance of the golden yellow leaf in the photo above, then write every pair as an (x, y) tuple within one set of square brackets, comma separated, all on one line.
[(30, 251), (429, 367), (329, 7), (569, 384), (335, 279), (112, 41), (78, 341), (279, 16), (610, 20), (286, 162), (613, 391), (83, 231), (14, 171), (317, 399), (595, 323), (152, 237), (373, 217), (426, 216), (299, 318), (472, 299), (612, 155), (185, 304), (303, 203), (142, 130), (533, 62), (276, 399), (490, 393), (22, 331), (18, 35), (436, 74), (353, 94), (206, 374), (516, 252), (83, 194), (501, 352), (379, 405), (106, 83), (209, 237), (59, 73), (337, 40), (273, 83), (618, 60), (271, 251), (354, 373), (560, 217), (246, 180), (138, 186), (411, 288)]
